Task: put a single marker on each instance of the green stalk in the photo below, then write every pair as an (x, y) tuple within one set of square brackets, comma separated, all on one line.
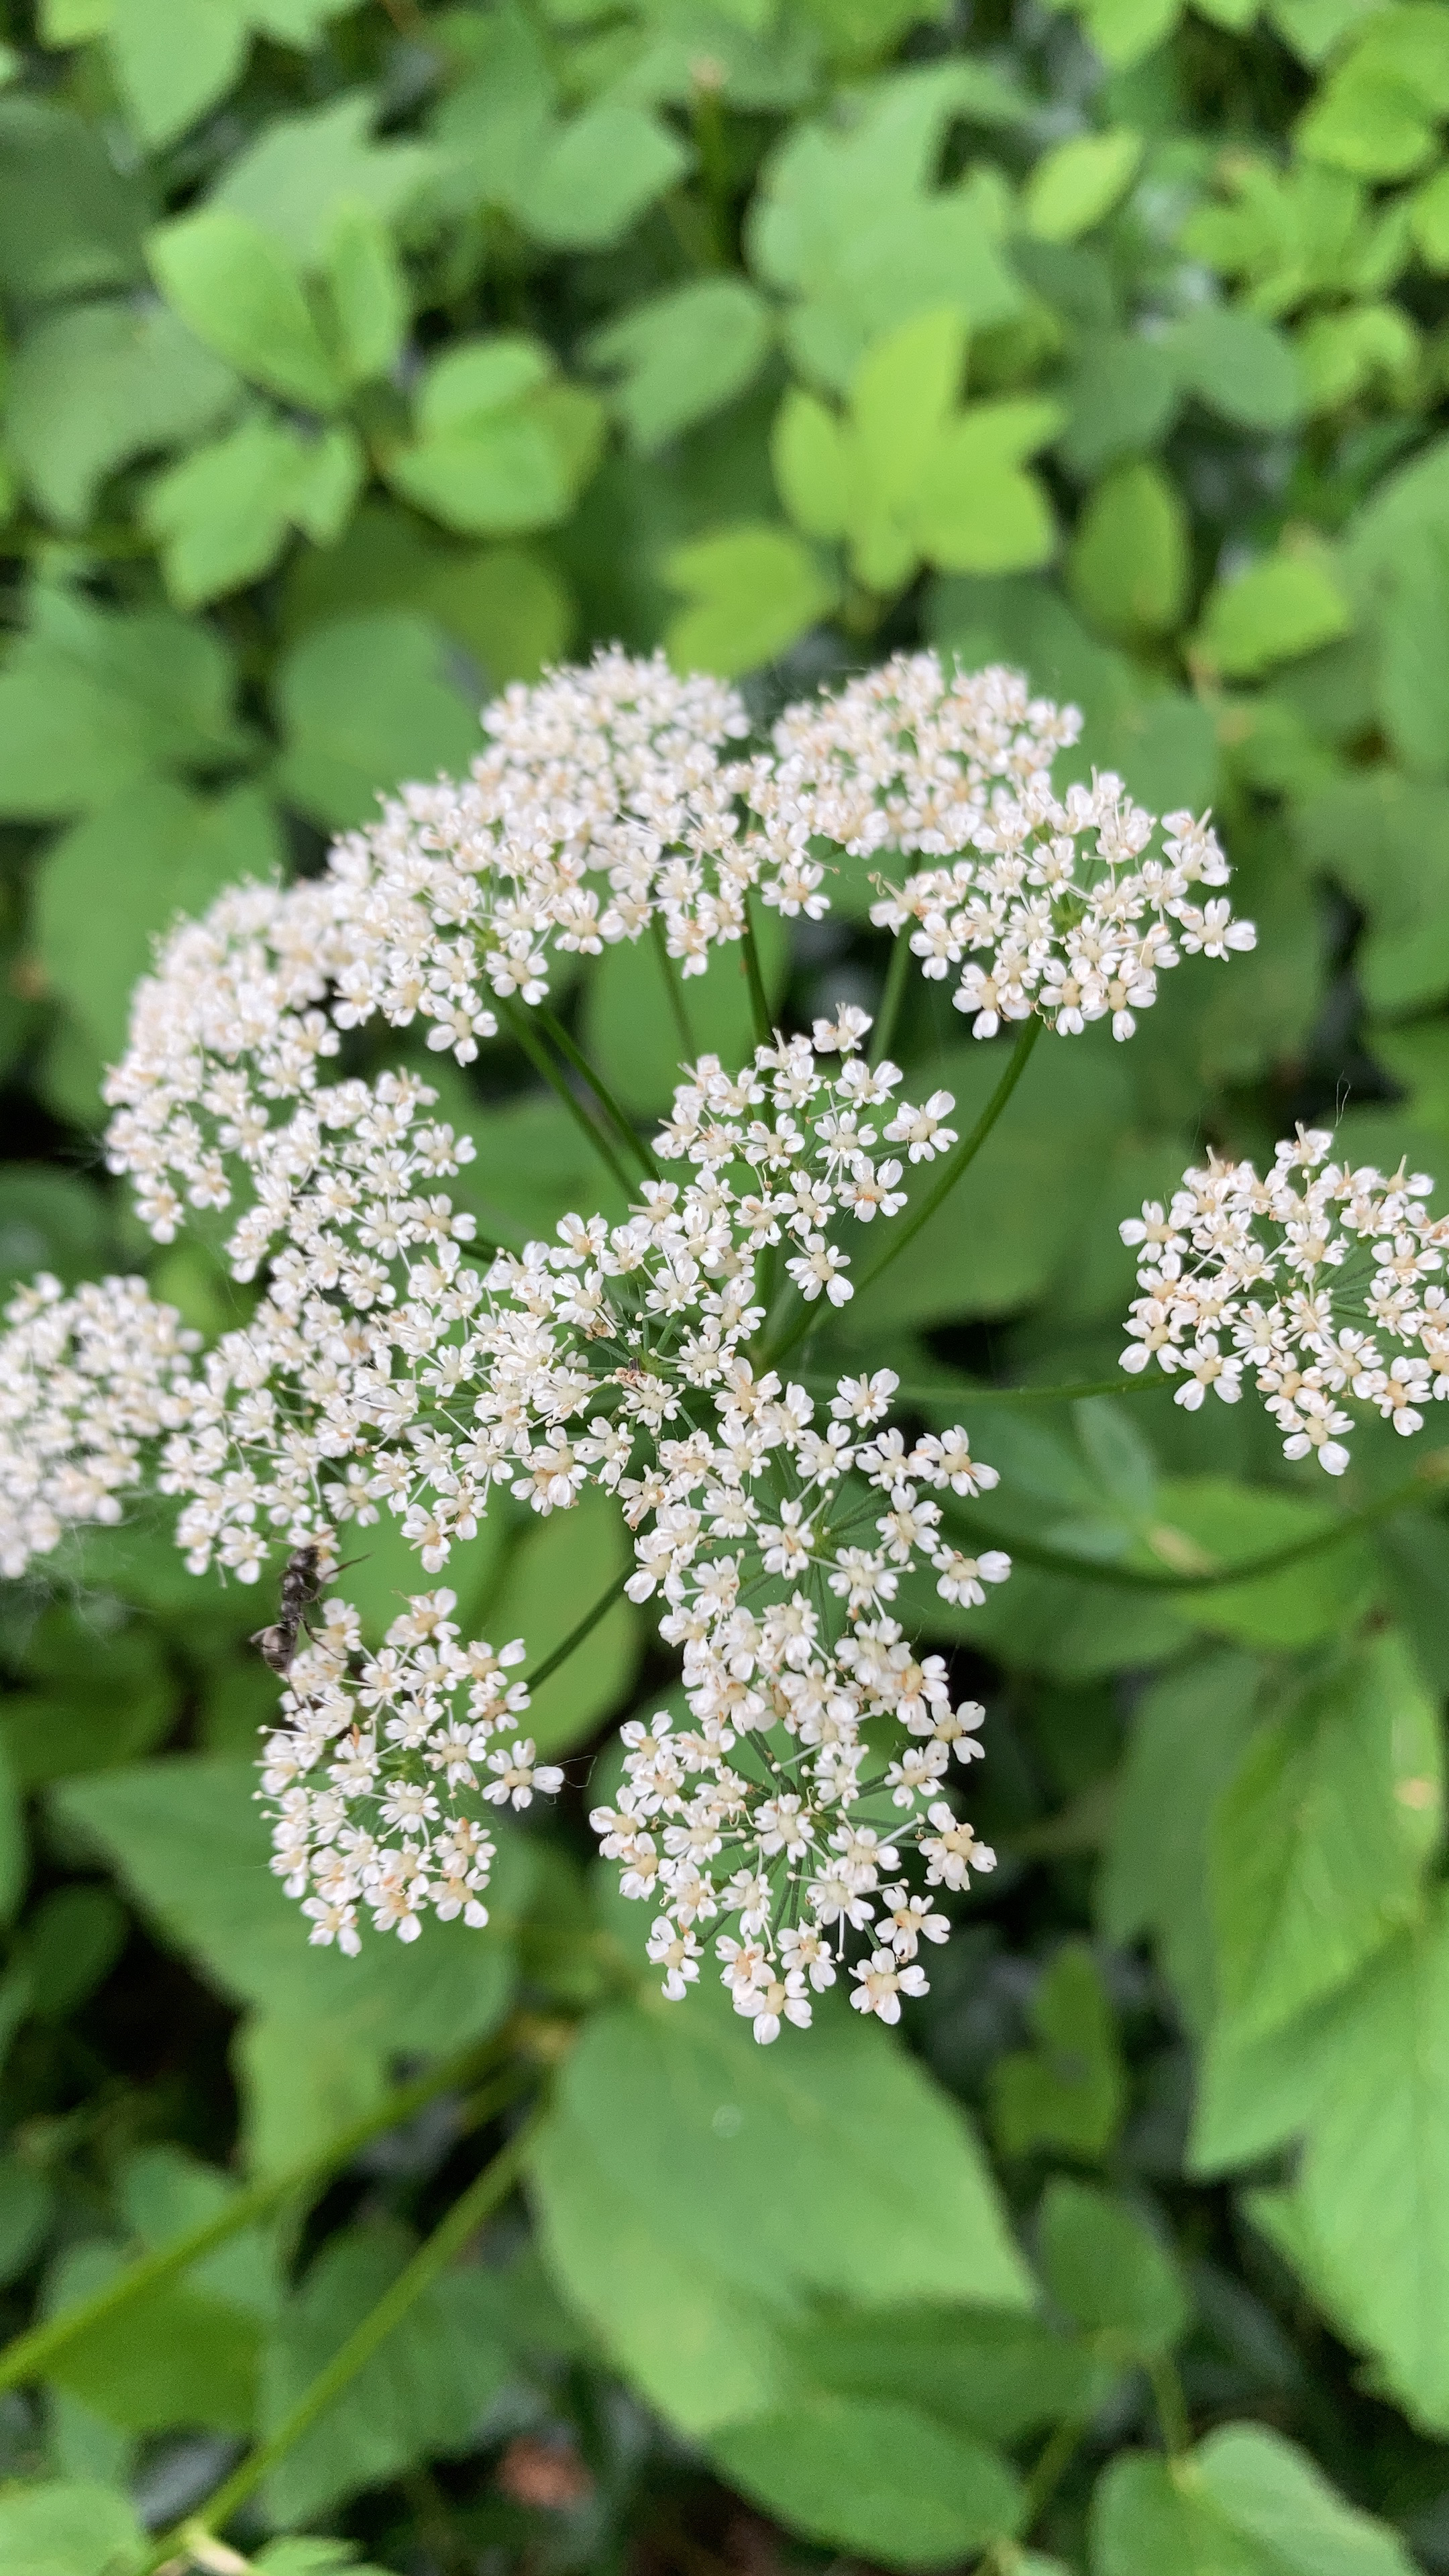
[(617, 1117), (1151, 1382), (1434, 1470), (431, 2258), (759, 998), (576, 1636), (29, 2356), (674, 987), (956, 1163), (893, 993), (963, 1157), (543, 1063)]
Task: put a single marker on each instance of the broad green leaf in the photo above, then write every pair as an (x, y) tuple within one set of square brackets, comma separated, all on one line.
[(1121, 395), (95, 385), (697, 2193), (752, 593), (421, 2395), (1205, 1521), (241, 292), (1130, 563), (501, 445), (223, 514), (1372, 347), (70, 221), (1239, 365), (809, 455), (932, 2494), (1377, 113), (683, 355), (62, 1724), (595, 176), (1067, 2094), (1321, 1839), (69, 1944), (1123, 31), (848, 223), (301, 172), (504, 604), (532, 1164), (1290, 603), (27, 2203), (1385, 838), (978, 511), (1187, 1733), (173, 63), (630, 1030), (186, 1838), (1244, 2503), (364, 705), (176, 2356), (994, 2374), (367, 295), (1110, 2273), (111, 884), (62, 2528), (1073, 186), (90, 702), (301, 2080), (556, 1572)]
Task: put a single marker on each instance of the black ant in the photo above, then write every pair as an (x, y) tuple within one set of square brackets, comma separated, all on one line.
[(301, 1588)]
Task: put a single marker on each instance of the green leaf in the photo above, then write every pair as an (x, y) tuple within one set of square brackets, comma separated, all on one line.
[(95, 385), (683, 355), (303, 174), (174, 63), (14, 1860), (70, 222), (1131, 557), (848, 223), (1240, 366), (595, 176), (1377, 113), (752, 593), (27, 2203), (224, 513), (932, 2494), (809, 458), (366, 292), (1321, 1839), (69, 1945), (995, 2375), (90, 702), (978, 511), (1076, 184), (1187, 1733), (363, 705), (68, 2529), (630, 1031), (174, 2356), (531, 1162), (1110, 2273), (241, 292), (1123, 31), (1121, 395), (1205, 1521), (554, 1574), (1244, 2503), (501, 444), (420, 2396), (112, 883), (698, 2194), (1290, 603), (62, 1725), (1385, 839), (1068, 2094), (504, 604)]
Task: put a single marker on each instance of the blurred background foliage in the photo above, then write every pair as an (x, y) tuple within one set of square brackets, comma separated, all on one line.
[(360, 360)]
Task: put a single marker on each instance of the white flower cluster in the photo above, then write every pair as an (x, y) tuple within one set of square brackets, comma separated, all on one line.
[(375, 1775), (1306, 1278), (1052, 900), (88, 1383)]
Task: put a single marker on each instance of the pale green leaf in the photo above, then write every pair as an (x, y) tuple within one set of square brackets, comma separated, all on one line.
[(172, 64), (1244, 2503), (932, 2494), (810, 457), (90, 702), (68, 2529), (1110, 2273), (241, 292), (1075, 185), (1292, 602), (683, 355), (1130, 563), (364, 705), (95, 385), (70, 222), (1239, 365), (556, 1573), (753, 591), (976, 510), (594, 177), (366, 290), (504, 604), (303, 172)]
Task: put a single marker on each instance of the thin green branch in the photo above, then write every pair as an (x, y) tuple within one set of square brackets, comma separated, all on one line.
[(961, 1159), (617, 1116), (674, 987), (1431, 1472), (30, 2355), (543, 1063), (759, 998), (893, 993), (448, 2238), (1151, 1382), (1171, 2404), (585, 1628)]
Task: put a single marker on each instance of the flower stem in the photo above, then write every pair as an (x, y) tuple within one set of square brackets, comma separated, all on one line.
[(893, 993), (543, 1063), (674, 987), (962, 1158), (576, 1636), (617, 1117), (1432, 1471), (447, 2239), (1150, 1383), (1171, 2404), (759, 998), (30, 2355)]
